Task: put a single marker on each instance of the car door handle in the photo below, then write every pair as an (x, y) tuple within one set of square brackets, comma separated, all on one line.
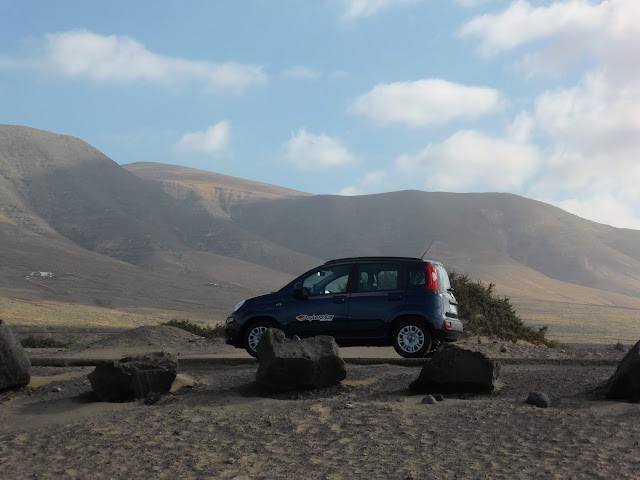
[(394, 297), (339, 299)]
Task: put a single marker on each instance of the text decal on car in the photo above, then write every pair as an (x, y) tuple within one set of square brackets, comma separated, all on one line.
[(311, 318)]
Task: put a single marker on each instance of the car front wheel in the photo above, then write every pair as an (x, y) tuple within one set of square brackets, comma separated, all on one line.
[(411, 339), (253, 335)]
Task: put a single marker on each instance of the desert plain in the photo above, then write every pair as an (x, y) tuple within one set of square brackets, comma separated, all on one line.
[(216, 423)]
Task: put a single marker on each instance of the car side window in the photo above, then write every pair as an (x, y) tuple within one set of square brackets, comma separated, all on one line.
[(378, 277), (325, 281)]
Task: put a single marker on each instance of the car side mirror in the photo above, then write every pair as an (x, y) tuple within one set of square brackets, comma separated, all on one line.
[(298, 290)]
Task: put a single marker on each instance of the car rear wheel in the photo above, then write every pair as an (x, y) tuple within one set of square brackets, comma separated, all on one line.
[(411, 338), (253, 334)]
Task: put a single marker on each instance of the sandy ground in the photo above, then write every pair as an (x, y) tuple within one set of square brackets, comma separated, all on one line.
[(218, 425)]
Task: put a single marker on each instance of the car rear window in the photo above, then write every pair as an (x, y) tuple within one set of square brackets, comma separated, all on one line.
[(417, 277), (443, 278)]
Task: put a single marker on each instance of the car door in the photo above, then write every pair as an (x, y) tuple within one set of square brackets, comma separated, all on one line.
[(324, 307), (376, 299)]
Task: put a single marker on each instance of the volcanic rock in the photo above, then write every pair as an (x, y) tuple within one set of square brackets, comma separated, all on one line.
[(285, 365), (134, 377), (624, 384), (15, 366), (454, 370)]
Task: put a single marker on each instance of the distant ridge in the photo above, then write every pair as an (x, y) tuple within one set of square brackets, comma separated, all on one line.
[(215, 192)]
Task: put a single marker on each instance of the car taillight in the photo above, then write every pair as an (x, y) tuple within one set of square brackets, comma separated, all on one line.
[(432, 277)]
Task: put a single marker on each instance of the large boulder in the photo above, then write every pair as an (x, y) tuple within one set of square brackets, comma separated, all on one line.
[(454, 370), (134, 377), (14, 364), (624, 384), (285, 365)]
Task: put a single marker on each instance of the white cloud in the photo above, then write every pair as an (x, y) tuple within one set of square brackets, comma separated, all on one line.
[(372, 182), (308, 151), (354, 9), (603, 208), (471, 161), (425, 102), (522, 23), (593, 170), (122, 60), (595, 117), (591, 130), (607, 30), (472, 3), (300, 71), (214, 139)]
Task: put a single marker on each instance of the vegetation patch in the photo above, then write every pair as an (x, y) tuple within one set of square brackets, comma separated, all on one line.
[(619, 347), (487, 314), (42, 342), (202, 331)]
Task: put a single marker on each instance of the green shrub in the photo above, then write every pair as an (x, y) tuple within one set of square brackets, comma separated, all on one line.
[(484, 313), (202, 331), (42, 342)]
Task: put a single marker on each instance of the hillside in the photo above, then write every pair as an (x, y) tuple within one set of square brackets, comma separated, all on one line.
[(214, 192), (149, 235), (59, 185)]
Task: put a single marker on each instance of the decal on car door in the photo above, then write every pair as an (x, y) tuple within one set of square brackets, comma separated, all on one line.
[(311, 318)]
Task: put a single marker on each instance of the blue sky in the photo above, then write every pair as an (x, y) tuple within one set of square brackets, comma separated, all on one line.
[(537, 98)]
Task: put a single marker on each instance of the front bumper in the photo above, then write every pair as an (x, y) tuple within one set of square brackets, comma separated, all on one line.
[(233, 333)]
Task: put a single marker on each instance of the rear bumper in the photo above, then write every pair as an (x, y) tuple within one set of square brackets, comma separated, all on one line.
[(452, 330)]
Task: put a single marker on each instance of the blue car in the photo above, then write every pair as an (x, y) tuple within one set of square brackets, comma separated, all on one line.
[(370, 301)]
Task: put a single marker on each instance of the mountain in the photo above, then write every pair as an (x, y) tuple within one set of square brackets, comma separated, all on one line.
[(472, 232), (175, 238)]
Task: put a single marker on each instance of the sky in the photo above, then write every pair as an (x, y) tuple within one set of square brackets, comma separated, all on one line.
[(350, 97)]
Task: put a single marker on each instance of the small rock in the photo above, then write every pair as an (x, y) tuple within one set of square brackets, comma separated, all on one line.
[(152, 397), (348, 406), (503, 350), (56, 389), (438, 397), (538, 399), (296, 338), (429, 400), (479, 340)]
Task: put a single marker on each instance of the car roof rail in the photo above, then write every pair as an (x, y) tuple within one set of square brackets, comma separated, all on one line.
[(376, 258)]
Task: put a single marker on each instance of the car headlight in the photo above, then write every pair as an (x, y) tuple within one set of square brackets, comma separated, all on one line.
[(239, 305)]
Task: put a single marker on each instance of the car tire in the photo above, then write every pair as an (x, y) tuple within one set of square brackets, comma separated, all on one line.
[(411, 338), (434, 348), (253, 333)]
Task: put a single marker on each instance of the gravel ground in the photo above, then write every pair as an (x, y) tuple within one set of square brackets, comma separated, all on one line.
[(370, 426)]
